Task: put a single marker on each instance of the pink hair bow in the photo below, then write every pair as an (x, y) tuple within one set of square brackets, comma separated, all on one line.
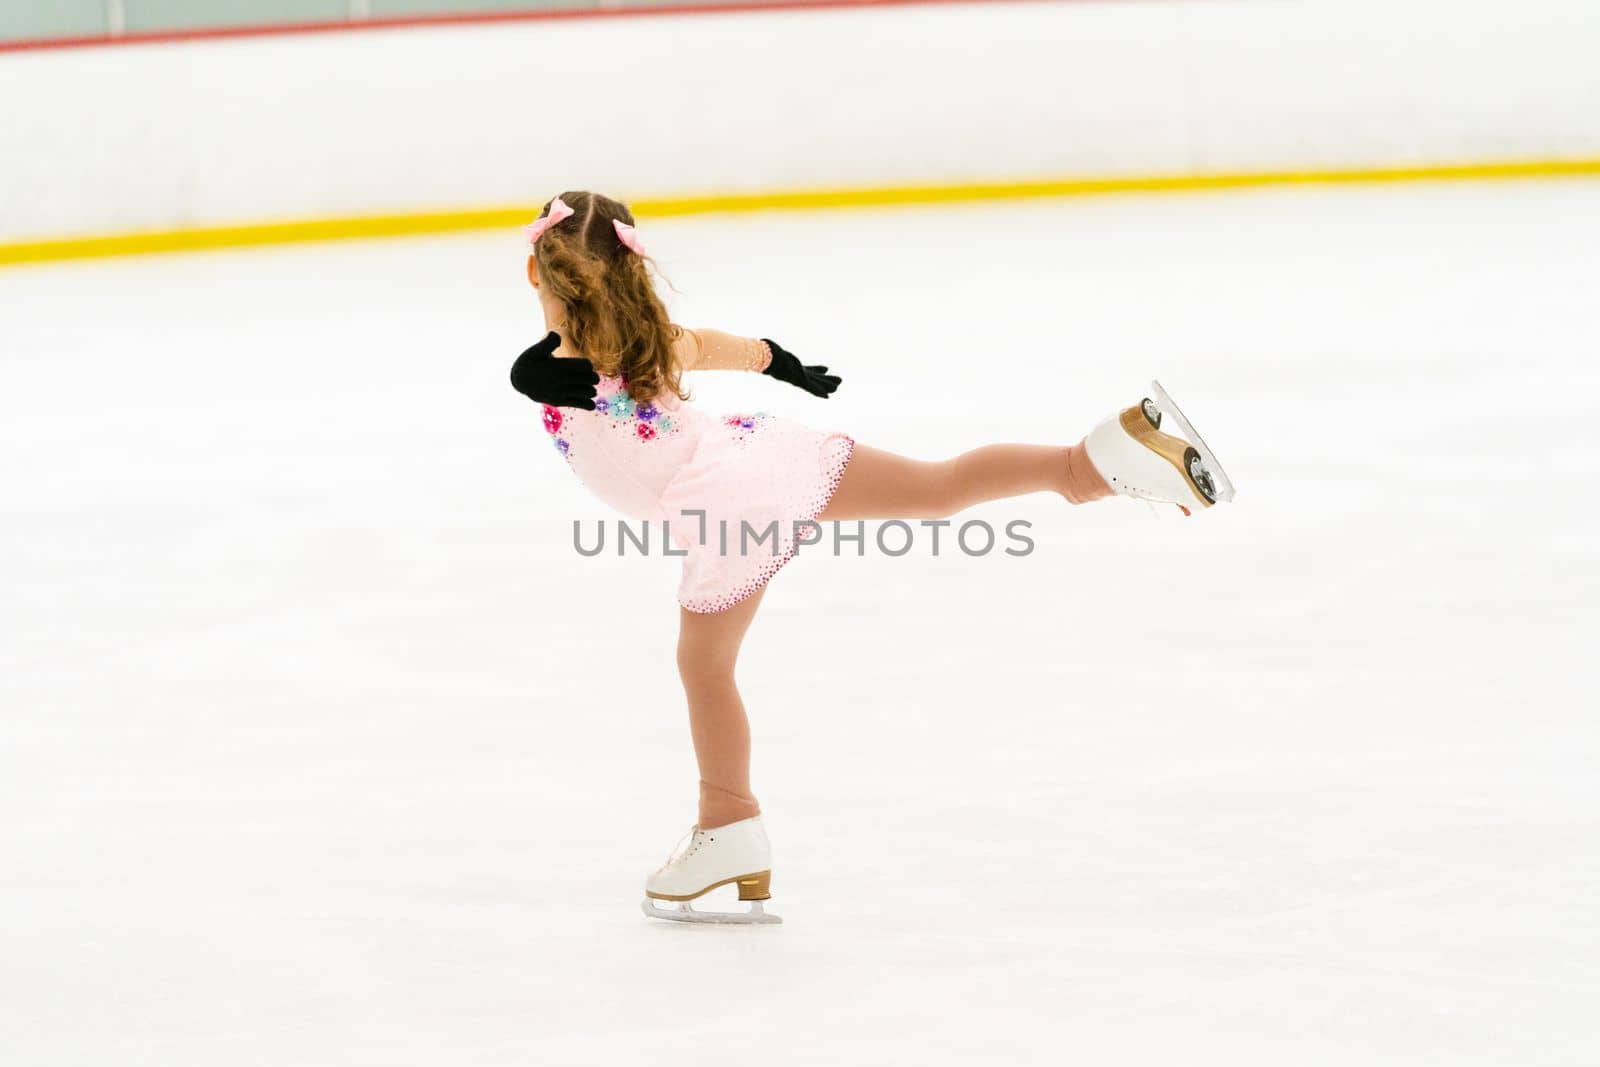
[(535, 229), (628, 236)]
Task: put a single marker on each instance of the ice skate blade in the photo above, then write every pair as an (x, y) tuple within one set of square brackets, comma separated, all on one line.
[(685, 913), (1219, 478)]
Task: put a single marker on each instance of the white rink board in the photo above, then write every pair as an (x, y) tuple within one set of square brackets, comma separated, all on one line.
[(322, 747), (209, 133)]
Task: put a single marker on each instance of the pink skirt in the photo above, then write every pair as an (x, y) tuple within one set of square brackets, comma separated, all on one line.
[(735, 506)]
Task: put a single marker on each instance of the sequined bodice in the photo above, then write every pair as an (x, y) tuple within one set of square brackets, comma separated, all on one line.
[(627, 452)]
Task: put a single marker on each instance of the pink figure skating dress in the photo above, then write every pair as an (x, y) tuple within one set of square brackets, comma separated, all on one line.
[(667, 461)]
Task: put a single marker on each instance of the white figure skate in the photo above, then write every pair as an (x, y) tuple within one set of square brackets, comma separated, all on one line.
[(1140, 461), (737, 852)]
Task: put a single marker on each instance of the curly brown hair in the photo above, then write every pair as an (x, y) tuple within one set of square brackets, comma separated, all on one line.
[(613, 316)]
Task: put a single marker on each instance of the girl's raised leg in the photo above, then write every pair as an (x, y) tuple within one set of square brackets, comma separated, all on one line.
[(708, 649), (882, 485)]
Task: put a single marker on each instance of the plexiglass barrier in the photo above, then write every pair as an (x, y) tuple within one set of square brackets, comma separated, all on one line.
[(45, 20)]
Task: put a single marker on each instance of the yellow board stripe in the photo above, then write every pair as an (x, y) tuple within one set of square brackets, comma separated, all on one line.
[(266, 233)]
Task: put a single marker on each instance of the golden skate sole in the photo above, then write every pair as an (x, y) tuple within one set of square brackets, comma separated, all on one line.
[(756, 886), (1183, 456)]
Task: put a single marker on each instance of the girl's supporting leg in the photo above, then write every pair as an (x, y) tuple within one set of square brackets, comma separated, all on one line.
[(876, 485), (708, 647), (882, 485)]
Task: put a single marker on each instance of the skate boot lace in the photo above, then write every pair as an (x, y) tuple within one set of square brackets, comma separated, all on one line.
[(685, 845)]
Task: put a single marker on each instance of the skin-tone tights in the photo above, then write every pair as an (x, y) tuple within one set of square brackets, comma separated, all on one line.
[(876, 485)]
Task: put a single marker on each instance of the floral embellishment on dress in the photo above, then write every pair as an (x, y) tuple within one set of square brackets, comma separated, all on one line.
[(552, 420), (644, 419), (744, 423)]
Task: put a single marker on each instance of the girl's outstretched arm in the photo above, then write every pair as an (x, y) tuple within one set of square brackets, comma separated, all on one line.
[(715, 350)]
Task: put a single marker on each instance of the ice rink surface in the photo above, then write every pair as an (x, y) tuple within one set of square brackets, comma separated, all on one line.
[(322, 746)]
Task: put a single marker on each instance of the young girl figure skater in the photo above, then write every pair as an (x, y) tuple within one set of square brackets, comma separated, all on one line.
[(609, 375)]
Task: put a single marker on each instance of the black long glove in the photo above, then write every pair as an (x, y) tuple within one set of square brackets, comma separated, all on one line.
[(786, 368), (561, 383)]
